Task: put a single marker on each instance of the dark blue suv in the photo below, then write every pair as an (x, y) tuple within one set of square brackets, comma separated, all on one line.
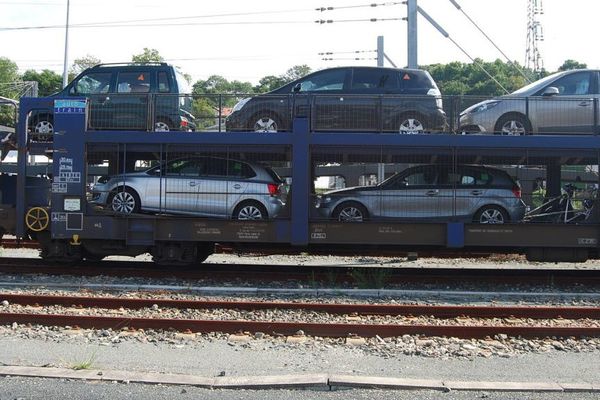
[(129, 96)]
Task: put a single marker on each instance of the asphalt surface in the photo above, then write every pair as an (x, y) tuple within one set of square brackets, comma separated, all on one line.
[(36, 388)]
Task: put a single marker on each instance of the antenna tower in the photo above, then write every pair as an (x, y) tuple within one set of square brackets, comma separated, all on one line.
[(535, 34)]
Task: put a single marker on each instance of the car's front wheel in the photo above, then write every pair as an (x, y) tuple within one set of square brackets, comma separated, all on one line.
[(513, 125), (250, 210), (350, 212), (125, 201), (491, 215)]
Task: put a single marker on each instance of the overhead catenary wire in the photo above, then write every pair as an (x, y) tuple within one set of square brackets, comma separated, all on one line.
[(510, 62), (134, 22)]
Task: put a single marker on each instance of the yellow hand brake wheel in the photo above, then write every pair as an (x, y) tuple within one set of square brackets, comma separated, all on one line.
[(37, 219)]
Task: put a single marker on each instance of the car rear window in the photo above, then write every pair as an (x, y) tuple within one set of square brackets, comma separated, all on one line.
[(273, 174), (410, 80)]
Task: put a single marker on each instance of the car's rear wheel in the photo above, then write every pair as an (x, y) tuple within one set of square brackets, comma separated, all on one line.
[(250, 210), (350, 212), (513, 125), (163, 126), (491, 215), (124, 201), (265, 122), (412, 123)]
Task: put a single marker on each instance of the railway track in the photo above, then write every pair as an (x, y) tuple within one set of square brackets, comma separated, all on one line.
[(367, 320), (322, 275)]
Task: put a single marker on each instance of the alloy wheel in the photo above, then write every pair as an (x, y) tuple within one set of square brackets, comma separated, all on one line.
[(123, 202), (513, 128), (411, 126), (265, 124), (161, 127), (249, 212), (491, 216), (351, 214)]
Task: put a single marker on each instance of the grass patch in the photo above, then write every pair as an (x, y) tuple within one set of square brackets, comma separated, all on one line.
[(370, 278)]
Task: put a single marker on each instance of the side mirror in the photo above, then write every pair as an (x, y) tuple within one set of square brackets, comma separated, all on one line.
[(297, 88), (550, 91)]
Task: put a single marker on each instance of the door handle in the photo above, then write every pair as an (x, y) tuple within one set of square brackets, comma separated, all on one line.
[(476, 192), (192, 183), (584, 104), (432, 192), (237, 186), (105, 100)]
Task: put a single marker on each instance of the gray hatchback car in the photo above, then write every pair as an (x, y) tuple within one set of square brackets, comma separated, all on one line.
[(432, 192), (200, 186), (562, 103)]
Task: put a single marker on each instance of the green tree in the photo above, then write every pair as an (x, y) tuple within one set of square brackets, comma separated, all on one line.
[(9, 87), (49, 82), (82, 63), (268, 83), (148, 55), (571, 64), (296, 72)]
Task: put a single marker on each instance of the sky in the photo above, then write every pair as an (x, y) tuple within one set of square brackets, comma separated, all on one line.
[(247, 40)]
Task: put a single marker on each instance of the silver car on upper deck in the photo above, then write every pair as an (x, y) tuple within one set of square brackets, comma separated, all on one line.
[(562, 103), (200, 186)]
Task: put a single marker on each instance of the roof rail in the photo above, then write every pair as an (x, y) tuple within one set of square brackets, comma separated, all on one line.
[(131, 63)]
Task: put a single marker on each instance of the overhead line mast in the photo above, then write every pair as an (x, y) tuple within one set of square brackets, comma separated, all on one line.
[(535, 34)]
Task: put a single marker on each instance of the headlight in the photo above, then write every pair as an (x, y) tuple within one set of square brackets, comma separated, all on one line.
[(238, 106), (485, 106)]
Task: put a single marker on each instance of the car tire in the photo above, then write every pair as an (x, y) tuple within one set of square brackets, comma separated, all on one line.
[(350, 211), (42, 127), (163, 125), (266, 123), (250, 211), (513, 124), (491, 214), (412, 123), (125, 201)]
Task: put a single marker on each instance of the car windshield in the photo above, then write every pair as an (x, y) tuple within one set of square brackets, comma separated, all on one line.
[(537, 84), (182, 83)]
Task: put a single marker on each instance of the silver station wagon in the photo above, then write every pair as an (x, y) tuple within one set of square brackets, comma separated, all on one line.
[(200, 186), (432, 192)]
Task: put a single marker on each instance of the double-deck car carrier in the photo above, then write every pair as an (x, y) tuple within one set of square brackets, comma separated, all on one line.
[(175, 194)]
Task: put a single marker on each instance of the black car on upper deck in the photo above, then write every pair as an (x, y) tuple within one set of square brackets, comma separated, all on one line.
[(362, 99), (120, 97)]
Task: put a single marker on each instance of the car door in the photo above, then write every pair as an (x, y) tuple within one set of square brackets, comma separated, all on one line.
[(569, 111), (470, 187), (372, 92), (129, 105), (325, 89), (181, 183), (238, 186), (212, 197), (412, 194)]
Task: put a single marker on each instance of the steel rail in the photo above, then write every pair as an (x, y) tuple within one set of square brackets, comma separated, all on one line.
[(290, 328), (438, 311)]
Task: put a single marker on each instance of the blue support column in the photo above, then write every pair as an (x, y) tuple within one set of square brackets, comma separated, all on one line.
[(21, 195), (455, 235), (301, 184), (68, 162)]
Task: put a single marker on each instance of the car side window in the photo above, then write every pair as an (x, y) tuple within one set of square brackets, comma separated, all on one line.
[(325, 81), (575, 84), (369, 79), (163, 82), (183, 167), (133, 82), (414, 80), (216, 168), (470, 178), (421, 177), (238, 169), (93, 83)]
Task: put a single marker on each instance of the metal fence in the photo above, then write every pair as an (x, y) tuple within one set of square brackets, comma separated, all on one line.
[(349, 184), (347, 113)]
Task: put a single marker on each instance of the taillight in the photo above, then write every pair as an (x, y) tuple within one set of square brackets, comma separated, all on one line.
[(516, 191), (273, 189), (184, 123)]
